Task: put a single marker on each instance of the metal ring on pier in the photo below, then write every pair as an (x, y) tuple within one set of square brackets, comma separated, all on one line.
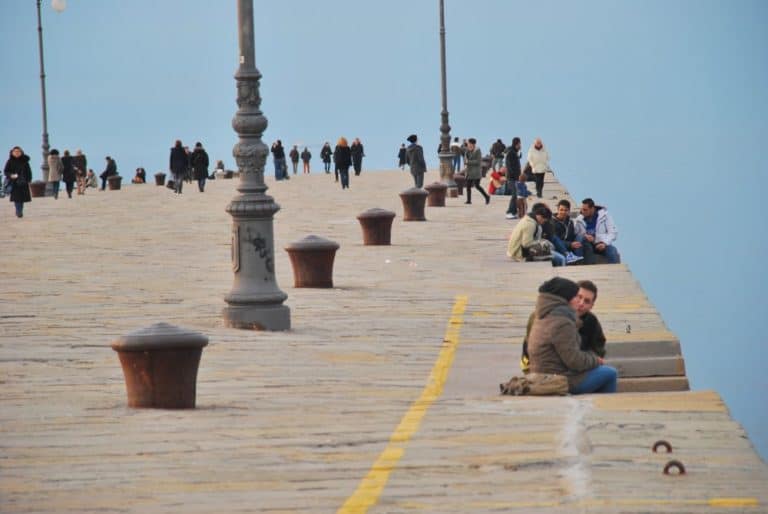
[(662, 443), (674, 464)]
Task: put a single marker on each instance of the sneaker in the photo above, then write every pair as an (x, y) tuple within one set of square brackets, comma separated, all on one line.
[(571, 257), (510, 216)]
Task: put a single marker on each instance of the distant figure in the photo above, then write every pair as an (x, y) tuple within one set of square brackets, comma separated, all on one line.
[(178, 164), (55, 171), (140, 177), (497, 185), (342, 159), (90, 180), (456, 151), (199, 161), (522, 195), (512, 163), (294, 155), (278, 157), (68, 172), (414, 154), (474, 162), (18, 175), (357, 155), (538, 158), (497, 152), (218, 169), (598, 231), (554, 343), (401, 157), (81, 167), (325, 155), (306, 156), (188, 169), (109, 171)]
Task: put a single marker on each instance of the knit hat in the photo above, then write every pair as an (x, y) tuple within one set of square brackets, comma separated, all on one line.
[(561, 287), (412, 138)]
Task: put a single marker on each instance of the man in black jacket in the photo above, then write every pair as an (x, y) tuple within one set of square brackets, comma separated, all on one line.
[(109, 171), (562, 234), (512, 162)]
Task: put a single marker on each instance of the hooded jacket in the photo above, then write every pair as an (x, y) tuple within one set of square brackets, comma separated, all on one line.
[(554, 341), (538, 159), (565, 230), (526, 232), (605, 231), (19, 167), (474, 164)]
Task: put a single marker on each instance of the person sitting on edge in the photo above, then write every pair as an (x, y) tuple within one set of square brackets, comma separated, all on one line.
[(554, 344), (590, 331), (598, 232), (563, 234), (528, 232), (140, 177), (90, 180), (498, 184)]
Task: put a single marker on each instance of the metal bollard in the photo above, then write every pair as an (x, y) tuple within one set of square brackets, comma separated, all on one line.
[(377, 226), (159, 179), (312, 261), (160, 365), (114, 182), (461, 181), (436, 192), (413, 204)]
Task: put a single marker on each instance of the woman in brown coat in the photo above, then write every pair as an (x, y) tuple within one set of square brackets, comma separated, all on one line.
[(554, 342)]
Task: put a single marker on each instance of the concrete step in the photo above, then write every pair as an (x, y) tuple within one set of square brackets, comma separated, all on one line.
[(648, 366), (653, 384)]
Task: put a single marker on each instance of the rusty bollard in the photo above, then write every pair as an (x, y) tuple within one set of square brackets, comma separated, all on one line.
[(461, 181), (114, 182), (37, 188), (436, 192), (160, 365), (413, 204), (159, 179), (377, 226), (312, 261)]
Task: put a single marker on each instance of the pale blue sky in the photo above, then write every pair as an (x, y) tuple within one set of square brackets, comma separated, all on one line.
[(658, 109)]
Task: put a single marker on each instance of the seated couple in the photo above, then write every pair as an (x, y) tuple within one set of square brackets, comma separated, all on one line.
[(592, 233), (527, 242), (565, 338)]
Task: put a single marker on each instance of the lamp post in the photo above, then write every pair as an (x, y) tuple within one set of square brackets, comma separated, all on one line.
[(445, 154), (255, 301), (58, 6)]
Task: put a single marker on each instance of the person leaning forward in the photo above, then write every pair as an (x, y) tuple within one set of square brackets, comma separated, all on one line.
[(554, 341)]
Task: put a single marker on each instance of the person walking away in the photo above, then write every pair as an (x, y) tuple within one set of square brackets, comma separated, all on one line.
[(200, 162), (512, 163), (497, 153), (18, 175), (474, 173), (306, 156), (325, 155), (357, 156), (68, 172), (178, 166), (342, 159), (401, 157), (81, 167), (456, 151), (538, 158), (55, 171), (294, 155), (278, 157), (414, 154), (554, 343)]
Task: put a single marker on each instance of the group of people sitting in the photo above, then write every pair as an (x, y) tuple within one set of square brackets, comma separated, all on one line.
[(565, 338), (587, 239)]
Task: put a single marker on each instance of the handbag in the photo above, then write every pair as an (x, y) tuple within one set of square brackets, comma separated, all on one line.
[(536, 384)]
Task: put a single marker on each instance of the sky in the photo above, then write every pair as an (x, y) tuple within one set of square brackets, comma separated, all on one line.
[(656, 109)]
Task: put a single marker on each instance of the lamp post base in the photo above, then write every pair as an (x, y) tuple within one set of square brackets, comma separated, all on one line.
[(257, 317)]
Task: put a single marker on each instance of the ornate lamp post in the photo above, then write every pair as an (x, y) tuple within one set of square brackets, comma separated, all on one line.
[(446, 156), (58, 6), (255, 301)]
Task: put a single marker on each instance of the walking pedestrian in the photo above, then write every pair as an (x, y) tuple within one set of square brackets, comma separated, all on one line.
[(357, 155), (18, 175), (538, 158), (178, 164), (325, 155), (401, 157), (68, 172), (294, 155), (474, 172), (80, 163), (342, 159), (306, 156), (55, 170), (200, 162)]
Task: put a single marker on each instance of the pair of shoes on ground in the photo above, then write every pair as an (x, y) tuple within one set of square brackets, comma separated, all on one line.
[(571, 257)]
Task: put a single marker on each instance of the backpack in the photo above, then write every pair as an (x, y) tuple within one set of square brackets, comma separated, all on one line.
[(536, 384)]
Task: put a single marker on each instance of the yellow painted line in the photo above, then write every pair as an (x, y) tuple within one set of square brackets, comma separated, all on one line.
[(371, 486)]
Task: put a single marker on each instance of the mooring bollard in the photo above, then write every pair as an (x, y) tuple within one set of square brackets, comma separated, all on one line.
[(312, 261), (160, 365), (159, 179), (413, 204), (114, 182), (436, 192), (377, 226), (461, 181), (37, 188)]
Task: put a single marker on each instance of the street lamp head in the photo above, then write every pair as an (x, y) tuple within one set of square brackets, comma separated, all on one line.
[(59, 5)]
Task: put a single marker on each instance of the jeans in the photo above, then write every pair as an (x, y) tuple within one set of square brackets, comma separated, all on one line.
[(280, 170), (19, 209), (601, 379), (295, 166), (56, 186), (201, 184), (178, 182), (327, 165), (563, 248), (558, 259), (344, 173), (418, 179), (70, 186), (456, 163), (610, 253)]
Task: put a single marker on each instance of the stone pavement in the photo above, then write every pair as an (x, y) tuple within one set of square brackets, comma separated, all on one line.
[(383, 397)]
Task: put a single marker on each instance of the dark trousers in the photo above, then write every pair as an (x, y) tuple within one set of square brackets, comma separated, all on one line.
[(201, 183), (358, 165), (475, 182), (539, 179), (344, 173), (512, 207), (70, 187)]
